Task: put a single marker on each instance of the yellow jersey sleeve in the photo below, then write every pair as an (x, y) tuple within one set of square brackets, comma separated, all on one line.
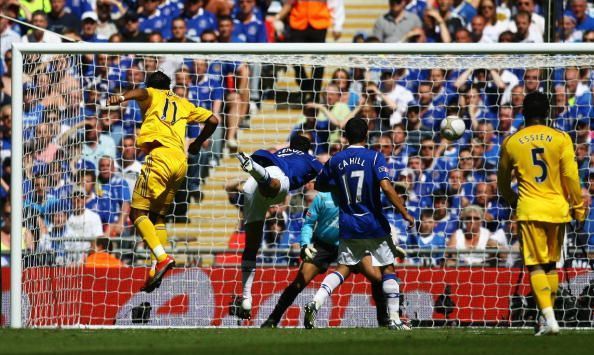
[(198, 114), (570, 179)]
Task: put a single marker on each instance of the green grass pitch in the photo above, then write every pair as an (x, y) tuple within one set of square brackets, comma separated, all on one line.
[(292, 341)]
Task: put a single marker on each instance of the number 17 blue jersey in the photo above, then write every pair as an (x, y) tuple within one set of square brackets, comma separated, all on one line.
[(356, 173)]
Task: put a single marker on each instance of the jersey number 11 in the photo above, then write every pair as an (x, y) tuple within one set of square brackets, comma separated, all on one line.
[(164, 116)]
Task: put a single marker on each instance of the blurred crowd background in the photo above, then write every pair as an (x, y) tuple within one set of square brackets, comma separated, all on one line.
[(81, 162)]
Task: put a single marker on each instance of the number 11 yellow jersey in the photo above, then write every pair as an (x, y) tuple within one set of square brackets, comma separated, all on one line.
[(544, 162), (165, 118)]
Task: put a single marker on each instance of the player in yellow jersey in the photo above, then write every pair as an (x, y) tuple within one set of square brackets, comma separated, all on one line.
[(162, 138), (549, 196)]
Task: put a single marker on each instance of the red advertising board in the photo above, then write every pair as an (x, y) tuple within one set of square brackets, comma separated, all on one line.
[(56, 296)]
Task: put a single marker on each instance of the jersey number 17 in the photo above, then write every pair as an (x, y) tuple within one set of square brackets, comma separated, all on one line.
[(360, 176)]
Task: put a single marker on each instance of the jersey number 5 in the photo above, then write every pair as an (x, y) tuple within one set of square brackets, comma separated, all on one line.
[(164, 116), (541, 163), (360, 175)]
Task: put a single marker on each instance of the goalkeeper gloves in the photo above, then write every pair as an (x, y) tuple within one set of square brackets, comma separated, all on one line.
[(308, 252), (400, 253)]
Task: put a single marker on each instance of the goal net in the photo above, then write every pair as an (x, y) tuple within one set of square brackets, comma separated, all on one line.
[(83, 263)]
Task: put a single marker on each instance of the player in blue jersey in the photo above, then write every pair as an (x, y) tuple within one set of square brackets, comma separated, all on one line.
[(273, 175), (319, 249), (358, 175)]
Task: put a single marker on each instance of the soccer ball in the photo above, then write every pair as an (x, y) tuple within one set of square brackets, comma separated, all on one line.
[(452, 128)]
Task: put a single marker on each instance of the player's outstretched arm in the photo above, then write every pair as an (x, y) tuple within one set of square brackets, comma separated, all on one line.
[(393, 197), (210, 125), (311, 217), (134, 94)]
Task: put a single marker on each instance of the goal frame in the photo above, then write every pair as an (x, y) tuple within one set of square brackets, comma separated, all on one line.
[(21, 49)]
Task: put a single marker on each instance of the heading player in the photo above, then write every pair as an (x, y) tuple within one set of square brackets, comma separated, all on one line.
[(162, 139), (273, 175), (358, 174), (319, 249), (543, 161)]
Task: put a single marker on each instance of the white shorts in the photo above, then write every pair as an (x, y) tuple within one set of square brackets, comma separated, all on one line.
[(255, 205), (381, 255)]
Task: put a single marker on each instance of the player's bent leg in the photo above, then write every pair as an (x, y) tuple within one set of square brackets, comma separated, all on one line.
[(160, 177), (270, 189), (306, 273), (148, 232), (159, 221), (330, 283), (390, 289), (268, 186), (392, 293)]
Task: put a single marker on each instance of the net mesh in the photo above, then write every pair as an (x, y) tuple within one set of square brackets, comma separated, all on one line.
[(84, 263)]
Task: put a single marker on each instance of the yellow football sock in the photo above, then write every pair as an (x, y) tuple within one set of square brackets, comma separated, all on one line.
[(541, 289), (553, 279), (147, 231), (161, 233)]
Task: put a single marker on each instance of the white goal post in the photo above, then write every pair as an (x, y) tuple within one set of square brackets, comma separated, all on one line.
[(371, 55)]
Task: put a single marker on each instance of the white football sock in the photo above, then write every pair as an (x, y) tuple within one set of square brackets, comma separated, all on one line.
[(549, 315), (248, 271), (392, 292), (259, 172), (331, 281)]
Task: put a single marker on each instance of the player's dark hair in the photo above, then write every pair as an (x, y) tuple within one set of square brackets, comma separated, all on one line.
[(355, 130), (299, 142), (158, 80), (536, 107)]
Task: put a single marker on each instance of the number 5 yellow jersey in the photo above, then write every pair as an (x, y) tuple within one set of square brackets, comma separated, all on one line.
[(543, 159), (165, 118)]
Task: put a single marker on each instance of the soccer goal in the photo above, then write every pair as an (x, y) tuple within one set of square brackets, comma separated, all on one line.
[(75, 259)]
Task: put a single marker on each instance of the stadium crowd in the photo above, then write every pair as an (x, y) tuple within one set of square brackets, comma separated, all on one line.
[(80, 155)]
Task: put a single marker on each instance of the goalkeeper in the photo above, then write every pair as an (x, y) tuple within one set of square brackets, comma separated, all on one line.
[(162, 139), (320, 228)]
